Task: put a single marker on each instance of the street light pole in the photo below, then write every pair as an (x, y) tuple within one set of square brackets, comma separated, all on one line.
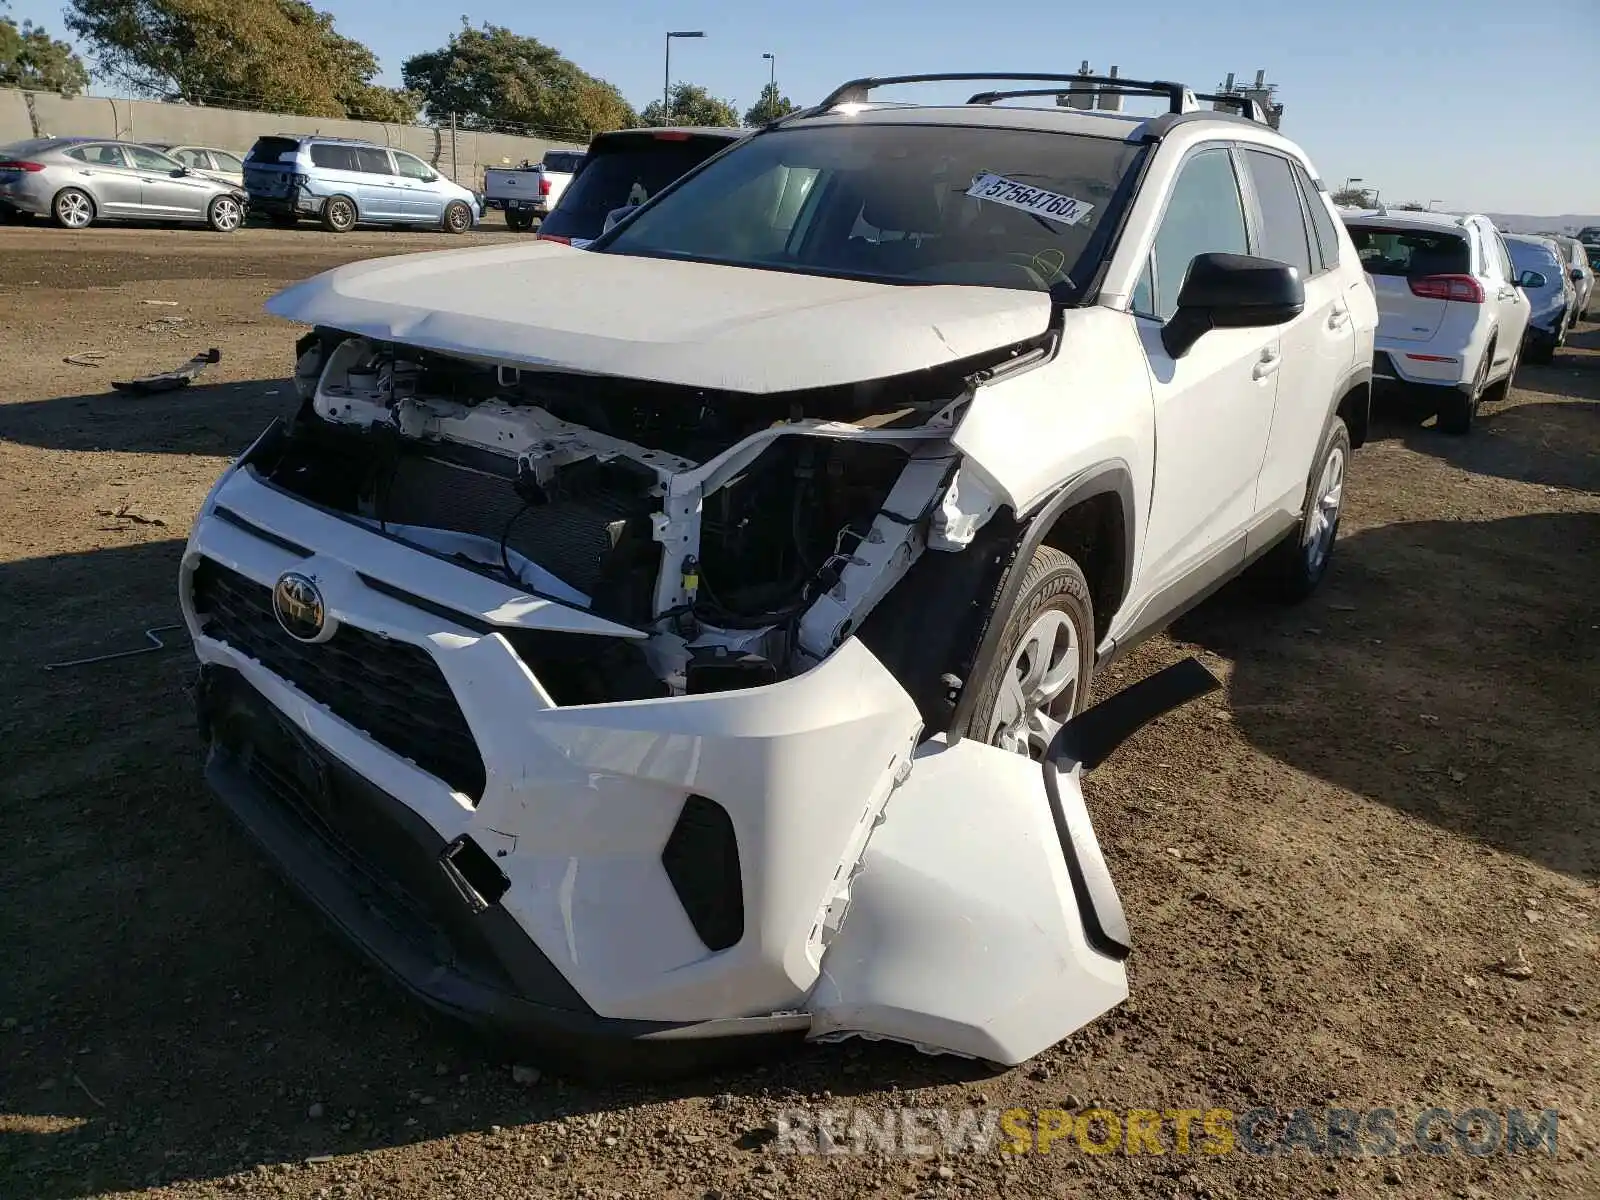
[(666, 74), (772, 86)]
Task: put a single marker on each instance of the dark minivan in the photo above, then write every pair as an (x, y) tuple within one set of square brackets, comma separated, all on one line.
[(622, 170)]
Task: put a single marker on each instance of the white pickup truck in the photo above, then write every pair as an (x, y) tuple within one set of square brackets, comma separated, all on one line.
[(530, 191)]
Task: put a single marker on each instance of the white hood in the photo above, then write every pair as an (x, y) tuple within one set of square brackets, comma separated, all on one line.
[(543, 304)]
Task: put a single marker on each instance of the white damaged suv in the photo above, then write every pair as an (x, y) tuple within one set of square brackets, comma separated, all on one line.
[(704, 659)]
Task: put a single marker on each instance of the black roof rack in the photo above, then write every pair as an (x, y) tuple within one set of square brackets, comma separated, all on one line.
[(1249, 108), (857, 91)]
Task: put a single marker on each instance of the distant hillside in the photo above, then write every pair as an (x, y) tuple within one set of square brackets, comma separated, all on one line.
[(1560, 223)]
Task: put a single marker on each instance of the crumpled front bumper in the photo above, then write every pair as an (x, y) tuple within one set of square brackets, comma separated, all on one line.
[(653, 883)]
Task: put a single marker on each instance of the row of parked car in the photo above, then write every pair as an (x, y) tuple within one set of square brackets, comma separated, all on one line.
[(1461, 304), (340, 182)]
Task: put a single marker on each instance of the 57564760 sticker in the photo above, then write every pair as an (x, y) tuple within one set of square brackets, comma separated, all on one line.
[(1053, 206)]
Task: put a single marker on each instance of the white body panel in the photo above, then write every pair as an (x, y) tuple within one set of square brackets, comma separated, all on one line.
[(962, 932), (693, 324)]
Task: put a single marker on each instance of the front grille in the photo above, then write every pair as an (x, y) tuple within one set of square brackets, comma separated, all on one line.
[(392, 691)]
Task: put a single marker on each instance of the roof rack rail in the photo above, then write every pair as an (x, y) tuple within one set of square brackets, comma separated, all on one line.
[(858, 91), (1249, 107)]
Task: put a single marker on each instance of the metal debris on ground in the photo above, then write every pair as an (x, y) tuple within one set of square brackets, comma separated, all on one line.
[(152, 634), (168, 381), (124, 513), (86, 358)]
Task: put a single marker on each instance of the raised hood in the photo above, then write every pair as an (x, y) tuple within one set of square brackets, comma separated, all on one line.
[(543, 304)]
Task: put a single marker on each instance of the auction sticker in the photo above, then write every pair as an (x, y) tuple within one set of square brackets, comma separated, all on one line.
[(1053, 206)]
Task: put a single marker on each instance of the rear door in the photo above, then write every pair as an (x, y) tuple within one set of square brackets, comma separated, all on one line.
[(1410, 270), (380, 194), (109, 177), (1318, 346)]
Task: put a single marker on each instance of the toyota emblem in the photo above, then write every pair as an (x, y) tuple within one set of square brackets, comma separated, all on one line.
[(298, 606)]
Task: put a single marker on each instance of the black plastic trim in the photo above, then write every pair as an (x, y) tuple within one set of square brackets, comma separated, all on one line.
[(858, 91), (1084, 743), (1113, 476), (226, 515)]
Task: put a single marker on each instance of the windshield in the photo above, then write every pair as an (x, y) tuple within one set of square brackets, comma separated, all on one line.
[(621, 171), (899, 204)]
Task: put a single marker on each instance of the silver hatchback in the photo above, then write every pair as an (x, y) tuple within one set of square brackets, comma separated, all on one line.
[(77, 181)]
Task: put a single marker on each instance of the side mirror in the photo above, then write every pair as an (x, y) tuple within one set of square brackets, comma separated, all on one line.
[(1576, 275), (1531, 279), (182, 171), (1232, 291)]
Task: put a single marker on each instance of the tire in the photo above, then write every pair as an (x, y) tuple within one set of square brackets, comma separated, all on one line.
[(457, 217), (339, 214), (1459, 408), (1500, 391), (518, 221), (1044, 662), (1293, 569), (1541, 350), (72, 209), (225, 214)]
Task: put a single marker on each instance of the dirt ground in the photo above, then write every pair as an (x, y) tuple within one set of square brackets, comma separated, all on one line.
[(1334, 869)]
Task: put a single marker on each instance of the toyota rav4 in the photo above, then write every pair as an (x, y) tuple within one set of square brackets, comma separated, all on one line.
[(706, 659)]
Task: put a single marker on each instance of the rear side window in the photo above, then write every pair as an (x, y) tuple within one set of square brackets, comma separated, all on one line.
[(101, 156), (373, 161), (1283, 226), (334, 158), (563, 160), (1410, 252), (277, 149)]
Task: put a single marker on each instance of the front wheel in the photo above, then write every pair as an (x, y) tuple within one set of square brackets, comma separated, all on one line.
[(225, 214), (339, 215), (457, 217), (1044, 662), (1293, 568)]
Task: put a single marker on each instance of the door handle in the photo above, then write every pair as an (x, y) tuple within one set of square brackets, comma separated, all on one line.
[(1267, 365), (1337, 318)]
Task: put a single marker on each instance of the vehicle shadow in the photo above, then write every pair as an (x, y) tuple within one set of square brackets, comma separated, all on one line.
[(183, 1016), (1447, 669), (209, 419)]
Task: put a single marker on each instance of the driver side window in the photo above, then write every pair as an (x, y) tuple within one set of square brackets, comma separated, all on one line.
[(412, 168), (145, 159), (1205, 215)]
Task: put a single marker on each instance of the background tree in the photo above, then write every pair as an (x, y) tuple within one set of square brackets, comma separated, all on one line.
[(31, 58), (1352, 198), (491, 76), (281, 55), (691, 105), (772, 105)]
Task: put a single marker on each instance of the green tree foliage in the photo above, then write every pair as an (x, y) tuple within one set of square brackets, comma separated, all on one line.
[(691, 105), (1352, 198), (772, 105), (491, 77), (281, 55), (31, 58)]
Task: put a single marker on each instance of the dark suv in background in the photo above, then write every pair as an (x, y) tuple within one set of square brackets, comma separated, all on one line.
[(622, 170)]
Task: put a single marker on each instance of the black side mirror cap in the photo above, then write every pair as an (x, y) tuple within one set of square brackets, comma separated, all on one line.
[(1232, 291)]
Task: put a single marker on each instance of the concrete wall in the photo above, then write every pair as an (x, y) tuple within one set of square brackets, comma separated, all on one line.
[(45, 114)]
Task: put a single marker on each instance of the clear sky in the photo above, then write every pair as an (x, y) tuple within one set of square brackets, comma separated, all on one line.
[(1479, 104)]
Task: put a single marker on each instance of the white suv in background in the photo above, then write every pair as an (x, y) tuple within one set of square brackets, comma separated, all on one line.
[(705, 659), (1452, 316)]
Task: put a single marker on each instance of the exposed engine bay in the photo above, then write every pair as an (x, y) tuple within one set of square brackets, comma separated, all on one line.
[(747, 536)]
